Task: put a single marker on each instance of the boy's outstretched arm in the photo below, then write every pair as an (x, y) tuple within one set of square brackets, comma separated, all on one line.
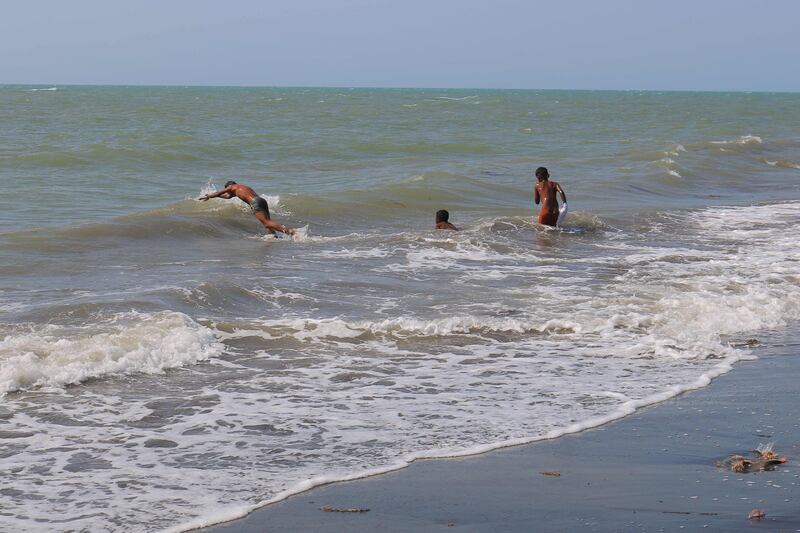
[(226, 193)]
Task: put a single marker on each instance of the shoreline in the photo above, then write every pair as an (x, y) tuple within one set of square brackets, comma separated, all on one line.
[(401, 483)]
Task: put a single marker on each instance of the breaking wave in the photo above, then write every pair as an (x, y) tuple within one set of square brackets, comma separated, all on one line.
[(53, 356)]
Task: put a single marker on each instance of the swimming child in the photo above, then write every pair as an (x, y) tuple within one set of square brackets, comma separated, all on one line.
[(442, 217), (257, 203)]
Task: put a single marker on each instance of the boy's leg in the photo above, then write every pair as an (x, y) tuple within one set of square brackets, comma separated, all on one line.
[(271, 226)]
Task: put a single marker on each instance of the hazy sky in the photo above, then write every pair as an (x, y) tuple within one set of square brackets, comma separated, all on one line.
[(567, 44)]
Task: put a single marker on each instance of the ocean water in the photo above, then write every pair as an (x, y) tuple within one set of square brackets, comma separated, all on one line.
[(164, 365)]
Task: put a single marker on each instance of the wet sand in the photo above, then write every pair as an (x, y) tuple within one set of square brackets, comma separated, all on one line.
[(655, 470)]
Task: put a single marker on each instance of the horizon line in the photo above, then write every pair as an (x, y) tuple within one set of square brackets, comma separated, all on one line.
[(387, 87)]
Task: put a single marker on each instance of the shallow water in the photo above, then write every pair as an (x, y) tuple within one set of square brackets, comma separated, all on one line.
[(163, 363)]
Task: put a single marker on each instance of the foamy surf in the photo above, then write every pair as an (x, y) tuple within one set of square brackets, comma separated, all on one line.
[(782, 164), (300, 235), (744, 139), (458, 98), (53, 356), (227, 514), (664, 325)]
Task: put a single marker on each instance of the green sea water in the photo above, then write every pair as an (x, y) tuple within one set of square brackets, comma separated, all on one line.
[(164, 363), (97, 152)]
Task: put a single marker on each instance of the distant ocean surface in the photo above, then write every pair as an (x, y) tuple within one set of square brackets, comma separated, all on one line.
[(163, 364)]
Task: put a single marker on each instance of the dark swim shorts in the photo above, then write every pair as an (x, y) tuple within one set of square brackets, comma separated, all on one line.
[(259, 204)]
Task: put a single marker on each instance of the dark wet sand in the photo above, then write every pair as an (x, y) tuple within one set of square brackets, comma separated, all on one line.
[(652, 471)]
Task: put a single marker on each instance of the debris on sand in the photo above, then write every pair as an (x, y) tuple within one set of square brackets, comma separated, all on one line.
[(749, 343), (737, 463), (764, 459), (329, 509), (756, 514), (765, 452)]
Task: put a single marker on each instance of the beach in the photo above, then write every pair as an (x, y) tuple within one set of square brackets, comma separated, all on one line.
[(165, 364), (656, 470)]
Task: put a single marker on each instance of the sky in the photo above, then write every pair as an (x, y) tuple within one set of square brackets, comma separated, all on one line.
[(731, 45)]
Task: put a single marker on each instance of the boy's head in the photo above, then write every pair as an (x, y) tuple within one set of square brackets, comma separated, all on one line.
[(229, 183), (442, 215), (542, 174)]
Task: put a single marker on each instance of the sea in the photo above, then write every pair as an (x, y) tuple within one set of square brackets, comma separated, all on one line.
[(166, 365)]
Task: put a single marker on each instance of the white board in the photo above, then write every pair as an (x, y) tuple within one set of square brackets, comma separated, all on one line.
[(562, 215)]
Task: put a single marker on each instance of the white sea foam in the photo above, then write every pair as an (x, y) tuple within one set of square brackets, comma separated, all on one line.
[(356, 253), (274, 296), (301, 234), (274, 203), (744, 139), (782, 163), (334, 328), (458, 99), (53, 356), (8, 307), (676, 150)]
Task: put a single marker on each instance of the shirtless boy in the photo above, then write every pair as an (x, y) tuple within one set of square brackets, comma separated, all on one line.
[(442, 217), (257, 203), (545, 192)]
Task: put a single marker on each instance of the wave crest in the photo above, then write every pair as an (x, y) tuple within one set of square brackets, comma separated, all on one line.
[(54, 356)]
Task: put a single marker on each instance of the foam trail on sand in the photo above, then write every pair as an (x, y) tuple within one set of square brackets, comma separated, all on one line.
[(628, 408)]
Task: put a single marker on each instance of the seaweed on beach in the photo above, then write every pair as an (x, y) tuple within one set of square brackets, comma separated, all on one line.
[(329, 509), (745, 343), (764, 459)]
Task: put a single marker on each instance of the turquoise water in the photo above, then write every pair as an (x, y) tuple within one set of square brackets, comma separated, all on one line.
[(145, 147), (163, 363)]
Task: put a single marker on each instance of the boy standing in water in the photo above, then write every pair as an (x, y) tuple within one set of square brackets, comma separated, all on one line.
[(545, 192), (442, 217), (257, 203)]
